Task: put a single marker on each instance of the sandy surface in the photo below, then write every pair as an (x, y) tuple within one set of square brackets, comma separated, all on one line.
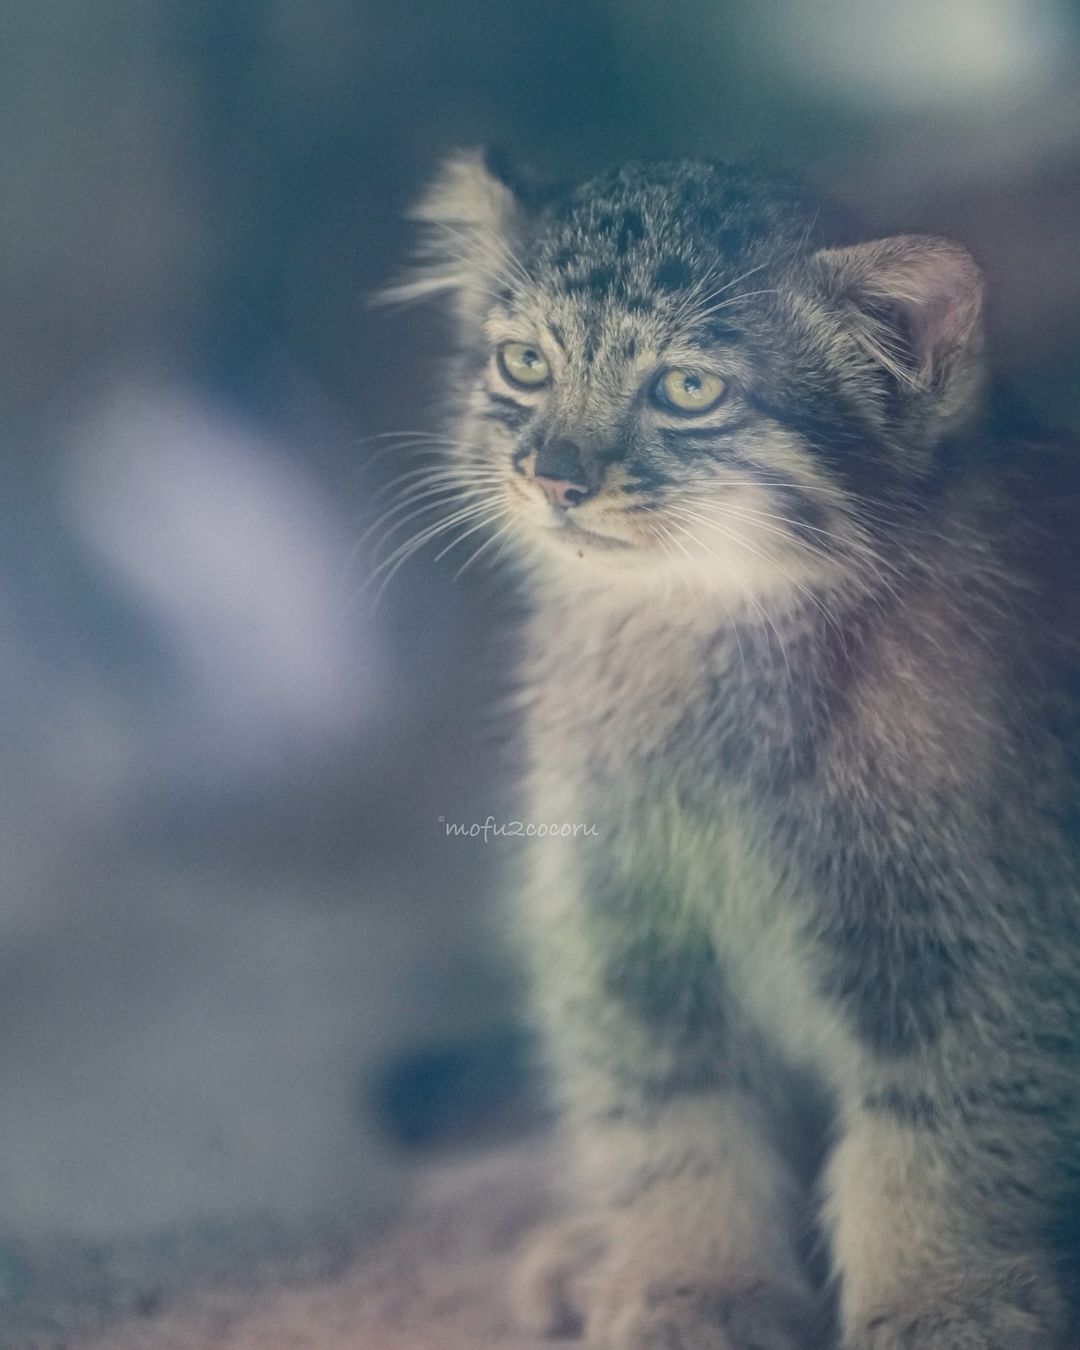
[(436, 1281)]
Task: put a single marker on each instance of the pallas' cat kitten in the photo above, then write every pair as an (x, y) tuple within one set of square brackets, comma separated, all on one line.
[(800, 649)]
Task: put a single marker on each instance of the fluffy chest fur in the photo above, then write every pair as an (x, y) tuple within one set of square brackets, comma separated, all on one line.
[(814, 799), (667, 736)]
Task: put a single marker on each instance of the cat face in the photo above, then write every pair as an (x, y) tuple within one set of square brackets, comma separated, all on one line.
[(670, 368)]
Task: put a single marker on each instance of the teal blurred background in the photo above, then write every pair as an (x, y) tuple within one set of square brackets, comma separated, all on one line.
[(241, 966)]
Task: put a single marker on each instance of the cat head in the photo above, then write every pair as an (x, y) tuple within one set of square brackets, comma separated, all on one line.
[(691, 366)]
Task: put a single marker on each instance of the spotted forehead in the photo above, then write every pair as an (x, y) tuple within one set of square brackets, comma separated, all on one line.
[(616, 258), (659, 227), (647, 257), (615, 316)]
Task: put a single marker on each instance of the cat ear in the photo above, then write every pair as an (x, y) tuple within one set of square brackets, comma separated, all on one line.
[(914, 304), (471, 218)]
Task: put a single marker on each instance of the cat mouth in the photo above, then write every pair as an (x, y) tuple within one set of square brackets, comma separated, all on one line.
[(560, 523), (578, 534)]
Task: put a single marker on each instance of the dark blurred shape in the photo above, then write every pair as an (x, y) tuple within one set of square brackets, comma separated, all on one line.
[(460, 1094)]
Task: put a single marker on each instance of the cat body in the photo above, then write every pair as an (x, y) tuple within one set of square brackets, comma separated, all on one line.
[(799, 648)]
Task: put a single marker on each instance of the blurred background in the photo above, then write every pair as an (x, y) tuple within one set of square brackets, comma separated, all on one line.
[(246, 981)]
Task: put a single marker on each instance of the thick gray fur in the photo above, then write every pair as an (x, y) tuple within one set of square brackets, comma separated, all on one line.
[(807, 662)]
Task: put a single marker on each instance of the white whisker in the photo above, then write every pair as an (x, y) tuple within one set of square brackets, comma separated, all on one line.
[(478, 526), (735, 538), (488, 542)]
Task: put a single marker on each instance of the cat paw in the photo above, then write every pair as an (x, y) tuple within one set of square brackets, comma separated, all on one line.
[(983, 1322), (676, 1315), (576, 1281), (1006, 1329), (551, 1288)]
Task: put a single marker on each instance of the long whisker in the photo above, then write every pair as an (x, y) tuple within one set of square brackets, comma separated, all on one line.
[(411, 545), (409, 443), (858, 512), (735, 538), (392, 565), (432, 531), (664, 541), (765, 616), (502, 530), (819, 488), (854, 546), (444, 494), (423, 477), (420, 432), (697, 294), (757, 518), (696, 563), (472, 530), (732, 300), (694, 301), (703, 510), (414, 545)]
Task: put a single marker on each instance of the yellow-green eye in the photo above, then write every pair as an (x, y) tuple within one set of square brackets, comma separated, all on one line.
[(523, 365), (689, 391)]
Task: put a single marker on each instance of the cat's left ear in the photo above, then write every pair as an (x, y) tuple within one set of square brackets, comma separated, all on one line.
[(471, 219), (914, 304)]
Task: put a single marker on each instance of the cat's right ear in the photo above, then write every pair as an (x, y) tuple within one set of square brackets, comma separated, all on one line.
[(471, 220)]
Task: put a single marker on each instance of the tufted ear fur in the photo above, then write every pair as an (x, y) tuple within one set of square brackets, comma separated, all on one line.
[(470, 219), (914, 304)]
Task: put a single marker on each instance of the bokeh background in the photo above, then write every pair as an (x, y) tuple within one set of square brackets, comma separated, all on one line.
[(247, 984)]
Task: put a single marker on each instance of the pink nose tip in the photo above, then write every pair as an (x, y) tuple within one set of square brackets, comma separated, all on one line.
[(561, 492)]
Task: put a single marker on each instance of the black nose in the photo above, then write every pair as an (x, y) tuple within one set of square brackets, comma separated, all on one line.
[(561, 473)]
